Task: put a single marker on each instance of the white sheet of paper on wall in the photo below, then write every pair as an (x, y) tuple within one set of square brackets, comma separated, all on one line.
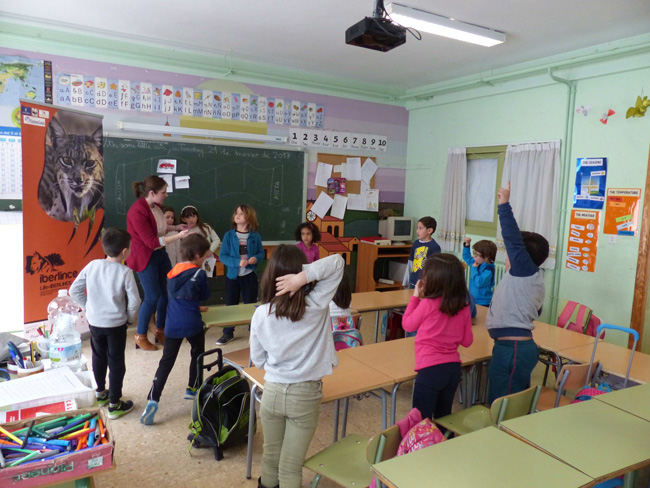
[(368, 170), (315, 138), (322, 204), (304, 137), (323, 173), (294, 139), (167, 166), (336, 139), (338, 207), (326, 138), (355, 141), (354, 169), (182, 182), (345, 139), (169, 180)]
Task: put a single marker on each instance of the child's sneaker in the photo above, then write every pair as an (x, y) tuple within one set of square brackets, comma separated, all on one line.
[(102, 398), (122, 408), (225, 339), (190, 394), (149, 411)]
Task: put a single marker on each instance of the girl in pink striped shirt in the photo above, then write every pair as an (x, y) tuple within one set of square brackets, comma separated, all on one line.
[(440, 314), (308, 235)]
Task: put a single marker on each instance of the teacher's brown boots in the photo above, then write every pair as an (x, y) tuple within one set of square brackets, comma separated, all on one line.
[(141, 342)]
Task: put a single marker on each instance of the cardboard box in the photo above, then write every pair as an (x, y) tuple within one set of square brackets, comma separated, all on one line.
[(77, 464)]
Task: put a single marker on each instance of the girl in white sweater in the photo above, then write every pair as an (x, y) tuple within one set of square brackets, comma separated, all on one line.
[(291, 340)]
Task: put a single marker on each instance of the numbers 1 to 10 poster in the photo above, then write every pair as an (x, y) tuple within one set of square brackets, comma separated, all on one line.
[(583, 240)]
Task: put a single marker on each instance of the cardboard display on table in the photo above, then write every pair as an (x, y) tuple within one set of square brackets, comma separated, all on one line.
[(76, 465), (351, 186)]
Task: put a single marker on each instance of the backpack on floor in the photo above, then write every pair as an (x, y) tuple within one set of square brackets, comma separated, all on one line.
[(346, 333), (220, 411)]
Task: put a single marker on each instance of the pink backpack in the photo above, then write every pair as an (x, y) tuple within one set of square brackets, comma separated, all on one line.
[(421, 435), (579, 318)]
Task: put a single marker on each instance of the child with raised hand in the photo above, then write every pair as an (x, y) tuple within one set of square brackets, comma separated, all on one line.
[(187, 285), (307, 235), (173, 248), (291, 340), (240, 252), (481, 280), (423, 248), (106, 290), (516, 304), (439, 312), (190, 216)]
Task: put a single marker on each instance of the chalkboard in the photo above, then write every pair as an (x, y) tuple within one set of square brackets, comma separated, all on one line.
[(221, 177)]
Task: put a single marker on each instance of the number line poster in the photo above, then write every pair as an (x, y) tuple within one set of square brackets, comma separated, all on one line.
[(583, 240)]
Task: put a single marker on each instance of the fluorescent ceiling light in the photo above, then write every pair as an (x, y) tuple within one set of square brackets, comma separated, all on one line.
[(189, 131), (443, 26)]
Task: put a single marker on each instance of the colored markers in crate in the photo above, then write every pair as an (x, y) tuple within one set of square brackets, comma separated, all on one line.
[(50, 439)]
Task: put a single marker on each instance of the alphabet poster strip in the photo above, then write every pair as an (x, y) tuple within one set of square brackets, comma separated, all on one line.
[(583, 240), (622, 213)]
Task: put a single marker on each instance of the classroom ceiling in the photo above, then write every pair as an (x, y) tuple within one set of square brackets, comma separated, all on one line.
[(307, 36)]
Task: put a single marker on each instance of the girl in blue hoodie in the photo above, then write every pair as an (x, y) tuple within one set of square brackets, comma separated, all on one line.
[(187, 286)]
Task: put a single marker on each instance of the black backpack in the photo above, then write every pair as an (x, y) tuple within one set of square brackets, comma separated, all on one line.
[(221, 408)]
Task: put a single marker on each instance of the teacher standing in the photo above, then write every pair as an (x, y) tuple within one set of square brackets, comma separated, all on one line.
[(146, 223)]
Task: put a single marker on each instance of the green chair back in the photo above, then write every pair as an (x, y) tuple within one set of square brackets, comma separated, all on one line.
[(384, 445), (515, 405)]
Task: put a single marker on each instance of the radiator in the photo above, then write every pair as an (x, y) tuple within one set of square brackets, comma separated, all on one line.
[(499, 271)]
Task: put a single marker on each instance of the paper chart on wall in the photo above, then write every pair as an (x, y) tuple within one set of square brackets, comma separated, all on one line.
[(338, 207), (368, 170), (582, 243), (322, 204), (367, 201), (354, 169), (323, 173), (622, 211)]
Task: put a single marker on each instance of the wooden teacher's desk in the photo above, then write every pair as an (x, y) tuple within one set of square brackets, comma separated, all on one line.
[(598, 439), (349, 378), (487, 458)]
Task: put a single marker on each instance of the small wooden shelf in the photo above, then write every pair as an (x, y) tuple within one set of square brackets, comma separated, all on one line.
[(366, 259)]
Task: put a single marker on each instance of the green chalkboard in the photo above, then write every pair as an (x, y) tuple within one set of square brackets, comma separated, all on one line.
[(221, 177)]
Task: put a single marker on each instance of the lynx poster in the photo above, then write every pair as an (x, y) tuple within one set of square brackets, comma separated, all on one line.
[(63, 199)]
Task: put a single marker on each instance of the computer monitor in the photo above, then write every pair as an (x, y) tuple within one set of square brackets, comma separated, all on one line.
[(396, 228)]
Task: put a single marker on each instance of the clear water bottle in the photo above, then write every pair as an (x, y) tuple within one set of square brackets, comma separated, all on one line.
[(65, 341)]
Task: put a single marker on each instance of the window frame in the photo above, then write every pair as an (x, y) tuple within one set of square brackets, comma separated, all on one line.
[(478, 227)]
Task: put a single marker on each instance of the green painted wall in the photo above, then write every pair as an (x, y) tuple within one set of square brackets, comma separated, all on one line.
[(535, 109)]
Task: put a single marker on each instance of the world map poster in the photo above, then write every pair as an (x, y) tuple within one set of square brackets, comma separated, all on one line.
[(22, 78)]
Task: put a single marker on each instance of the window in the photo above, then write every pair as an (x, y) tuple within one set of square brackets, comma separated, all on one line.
[(484, 170)]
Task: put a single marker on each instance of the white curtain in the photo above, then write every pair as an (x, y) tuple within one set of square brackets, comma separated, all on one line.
[(451, 229), (533, 171)]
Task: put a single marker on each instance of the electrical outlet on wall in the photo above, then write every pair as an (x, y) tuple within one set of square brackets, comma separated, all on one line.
[(612, 239)]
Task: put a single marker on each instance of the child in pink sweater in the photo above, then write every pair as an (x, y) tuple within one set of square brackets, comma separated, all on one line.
[(440, 314)]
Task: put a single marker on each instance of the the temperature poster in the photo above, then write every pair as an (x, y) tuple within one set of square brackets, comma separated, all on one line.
[(583, 240), (622, 211)]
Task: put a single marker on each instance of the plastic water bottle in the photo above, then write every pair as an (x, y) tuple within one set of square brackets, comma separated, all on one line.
[(65, 341)]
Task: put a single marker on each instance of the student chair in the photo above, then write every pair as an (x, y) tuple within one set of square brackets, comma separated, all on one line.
[(347, 462), (572, 377), (504, 408)]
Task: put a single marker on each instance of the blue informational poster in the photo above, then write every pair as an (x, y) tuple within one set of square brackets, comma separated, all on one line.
[(591, 179)]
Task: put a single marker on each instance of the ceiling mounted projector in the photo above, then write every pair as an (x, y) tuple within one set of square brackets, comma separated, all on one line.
[(377, 32)]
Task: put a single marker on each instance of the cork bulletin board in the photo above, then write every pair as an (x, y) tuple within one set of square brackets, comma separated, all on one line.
[(337, 159)]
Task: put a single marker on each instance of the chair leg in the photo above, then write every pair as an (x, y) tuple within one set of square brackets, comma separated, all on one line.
[(314, 483), (545, 375), (344, 424)]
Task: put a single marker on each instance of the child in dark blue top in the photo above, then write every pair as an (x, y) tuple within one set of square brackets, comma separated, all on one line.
[(422, 249), (516, 304), (481, 280), (187, 285)]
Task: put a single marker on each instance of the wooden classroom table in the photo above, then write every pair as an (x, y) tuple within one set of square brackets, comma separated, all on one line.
[(634, 400), (615, 360), (229, 315), (487, 458), (376, 301), (553, 338), (598, 439), (349, 378)]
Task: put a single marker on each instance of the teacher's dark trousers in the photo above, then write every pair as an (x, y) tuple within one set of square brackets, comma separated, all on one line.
[(170, 353)]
